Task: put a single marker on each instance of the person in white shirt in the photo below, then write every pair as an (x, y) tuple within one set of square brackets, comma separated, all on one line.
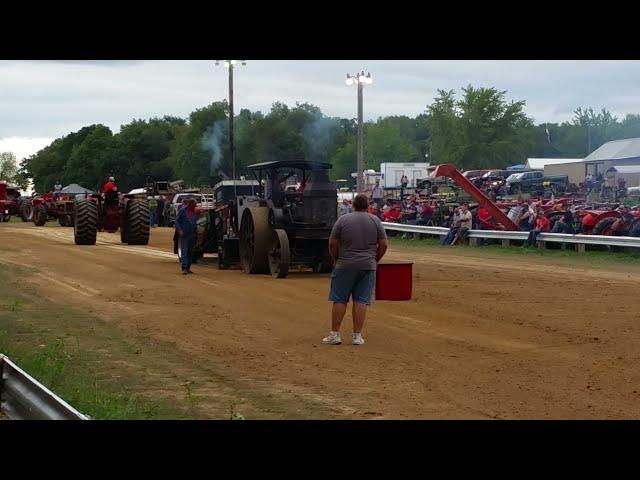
[(377, 194), (514, 213), (462, 221)]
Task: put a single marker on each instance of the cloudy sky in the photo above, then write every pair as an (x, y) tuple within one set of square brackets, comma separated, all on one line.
[(42, 100)]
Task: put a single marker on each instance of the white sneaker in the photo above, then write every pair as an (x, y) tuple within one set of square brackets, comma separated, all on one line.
[(332, 339), (356, 339)]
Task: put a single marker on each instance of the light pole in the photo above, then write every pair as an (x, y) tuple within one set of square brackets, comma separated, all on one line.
[(230, 64), (359, 80)]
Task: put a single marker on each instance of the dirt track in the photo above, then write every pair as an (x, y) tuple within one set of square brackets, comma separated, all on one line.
[(507, 338)]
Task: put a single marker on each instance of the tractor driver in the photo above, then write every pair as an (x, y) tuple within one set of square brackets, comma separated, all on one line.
[(110, 186), (110, 190)]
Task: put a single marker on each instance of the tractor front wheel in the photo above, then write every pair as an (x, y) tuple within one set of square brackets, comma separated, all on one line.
[(279, 254), (26, 211), (136, 222), (65, 220), (634, 230), (603, 227), (85, 226), (39, 215)]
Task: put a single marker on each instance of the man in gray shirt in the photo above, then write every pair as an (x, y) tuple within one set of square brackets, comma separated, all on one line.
[(357, 243)]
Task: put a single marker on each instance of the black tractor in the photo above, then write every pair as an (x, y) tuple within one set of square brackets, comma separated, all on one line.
[(280, 227)]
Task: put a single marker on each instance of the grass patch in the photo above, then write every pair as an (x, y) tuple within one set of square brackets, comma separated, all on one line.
[(81, 374)]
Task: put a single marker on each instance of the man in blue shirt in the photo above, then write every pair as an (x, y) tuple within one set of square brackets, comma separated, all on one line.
[(186, 224)]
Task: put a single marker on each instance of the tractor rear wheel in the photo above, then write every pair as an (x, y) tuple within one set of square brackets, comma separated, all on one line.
[(26, 211), (603, 227), (136, 222), (255, 239), (279, 254), (85, 226), (39, 215)]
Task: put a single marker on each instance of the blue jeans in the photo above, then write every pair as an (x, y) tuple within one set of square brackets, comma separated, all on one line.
[(450, 236), (153, 218), (187, 245), (533, 236)]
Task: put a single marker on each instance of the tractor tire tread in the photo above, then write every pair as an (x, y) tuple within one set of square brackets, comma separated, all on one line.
[(85, 222), (136, 222)]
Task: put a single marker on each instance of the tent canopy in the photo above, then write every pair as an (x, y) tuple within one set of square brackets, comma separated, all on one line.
[(75, 189)]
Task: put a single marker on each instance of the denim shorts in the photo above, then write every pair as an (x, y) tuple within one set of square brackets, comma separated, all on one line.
[(359, 284)]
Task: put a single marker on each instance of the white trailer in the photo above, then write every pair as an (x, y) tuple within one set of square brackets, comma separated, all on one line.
[(392, 173)]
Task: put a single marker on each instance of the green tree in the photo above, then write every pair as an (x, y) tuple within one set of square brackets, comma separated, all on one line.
[(8, 167), (479, 130)]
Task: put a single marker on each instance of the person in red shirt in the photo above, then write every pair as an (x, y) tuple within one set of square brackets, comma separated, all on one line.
[(392, 215), (425, 213), (542, 225), (110, 186), (484, 219)]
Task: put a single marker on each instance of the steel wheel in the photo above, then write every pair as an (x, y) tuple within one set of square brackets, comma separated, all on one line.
[(255, 238), (279, 254)]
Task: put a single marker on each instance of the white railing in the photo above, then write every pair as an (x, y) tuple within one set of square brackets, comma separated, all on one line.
[(613, 241)]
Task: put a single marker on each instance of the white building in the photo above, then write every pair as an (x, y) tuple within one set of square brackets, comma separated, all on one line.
[(540, 163), (392, 173)]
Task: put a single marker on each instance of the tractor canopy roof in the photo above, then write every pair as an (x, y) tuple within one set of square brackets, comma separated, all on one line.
[(288, 164)]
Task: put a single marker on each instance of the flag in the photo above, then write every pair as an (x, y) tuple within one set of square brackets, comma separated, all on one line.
[(548, 134)]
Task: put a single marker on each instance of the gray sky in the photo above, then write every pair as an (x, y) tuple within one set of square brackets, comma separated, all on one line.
[(42, 100)]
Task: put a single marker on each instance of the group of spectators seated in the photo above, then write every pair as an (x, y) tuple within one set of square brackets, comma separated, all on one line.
[(414, 210)]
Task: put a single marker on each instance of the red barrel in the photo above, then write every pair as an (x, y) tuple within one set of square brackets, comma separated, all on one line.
[(394, 281)]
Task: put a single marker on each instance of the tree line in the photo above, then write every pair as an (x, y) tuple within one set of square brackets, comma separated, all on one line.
[(473, 128)]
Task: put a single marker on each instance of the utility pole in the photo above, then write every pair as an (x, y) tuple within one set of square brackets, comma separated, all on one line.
[(231, 149), (360, 156), (360, 80), (230, 64)]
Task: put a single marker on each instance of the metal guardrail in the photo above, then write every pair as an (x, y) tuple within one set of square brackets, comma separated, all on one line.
[(23, 398), (613, 241)]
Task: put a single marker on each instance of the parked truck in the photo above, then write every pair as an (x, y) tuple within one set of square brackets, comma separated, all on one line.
[(536, 182)]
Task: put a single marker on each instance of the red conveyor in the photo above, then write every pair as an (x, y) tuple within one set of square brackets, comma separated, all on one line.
[(446, 170)]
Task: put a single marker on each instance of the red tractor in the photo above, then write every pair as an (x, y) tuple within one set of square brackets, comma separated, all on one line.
[(50, 206), (8, 205), (613, 222), (110, 212), (594, 220)]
